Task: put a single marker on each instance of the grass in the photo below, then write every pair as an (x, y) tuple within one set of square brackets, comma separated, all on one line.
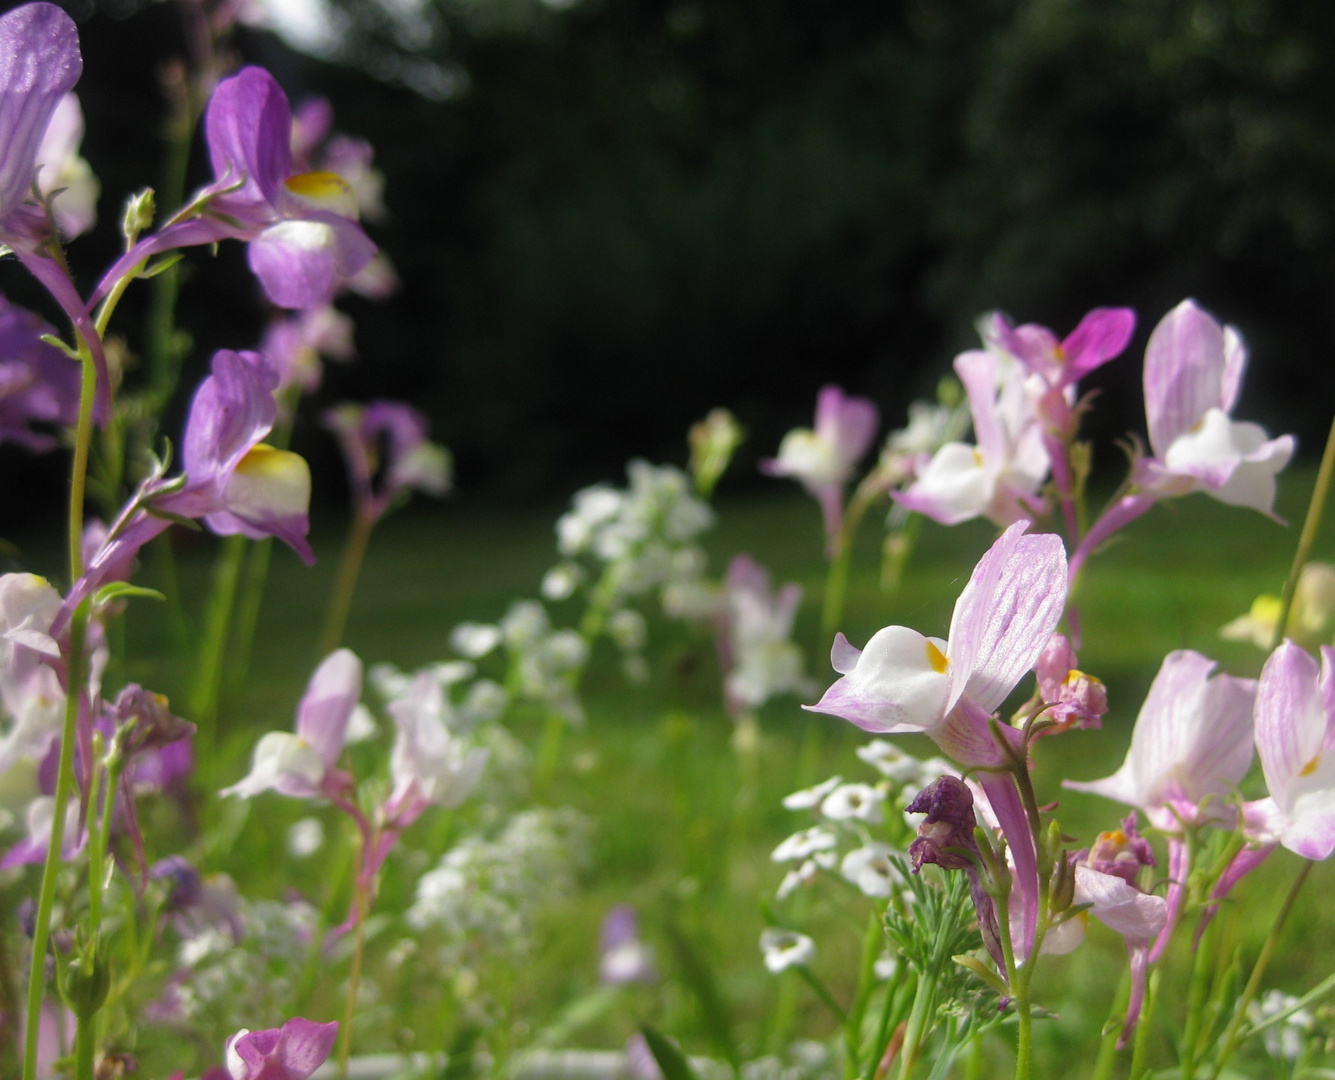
[(655, 770)]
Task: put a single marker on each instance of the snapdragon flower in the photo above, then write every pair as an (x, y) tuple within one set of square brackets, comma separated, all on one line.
[(759, 656), (304, 764), (1190, 748), (1193, 373), (292, 1052), (999, 478), (234, 481), (39, 65), (38, 383), (411, 461), (63, 176), (822, 458), (294, 344), (1295, 732), (904, 682)]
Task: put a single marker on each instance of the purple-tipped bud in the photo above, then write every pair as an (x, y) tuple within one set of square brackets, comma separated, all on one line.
[(950, 822), (183, 880), (1121, 852), (946, 838), (154, 724)]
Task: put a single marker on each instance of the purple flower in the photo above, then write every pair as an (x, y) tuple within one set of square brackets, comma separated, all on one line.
[(410, 461), (1193, 371), (293, 344), (304, 764), (624, 958), (999, 478), (1295, 733), (822, 459), (1191, 746), (38, 383), (304, 239), (39, 65), (1072, 697), (292, 1052), (233, 481), (946, 838), (905, 682), (1059, 365)]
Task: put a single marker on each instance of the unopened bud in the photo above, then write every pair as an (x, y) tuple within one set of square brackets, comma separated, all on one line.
[(87, 979), (140, 209)]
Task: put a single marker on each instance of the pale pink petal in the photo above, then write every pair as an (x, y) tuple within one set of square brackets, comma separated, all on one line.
[(1184, 373), (898, 683)]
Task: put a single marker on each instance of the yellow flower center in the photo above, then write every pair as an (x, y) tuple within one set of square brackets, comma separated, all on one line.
[(936, 658)]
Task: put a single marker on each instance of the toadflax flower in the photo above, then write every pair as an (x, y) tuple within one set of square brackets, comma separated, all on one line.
[(63, 176), (304, 764), (905, 682), (822, 459), (233, 481), (38, 383), (411, 461), (1295, 733), (292, 1052), (1193, 372), (1190, 748), (303, 239)]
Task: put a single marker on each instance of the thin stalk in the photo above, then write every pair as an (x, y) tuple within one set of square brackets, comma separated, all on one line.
[(549, 753), (208, 666), (345, 584), (85, 1043), (1258, 972), (826, 998), (51, 871), (1140, 1048), (1315, 508), (164, 557), (354, 982), (836, 583), (248, 611), (889, 1008), (83, 437), (1198, 992), (923, 1000), (1112, 1027)]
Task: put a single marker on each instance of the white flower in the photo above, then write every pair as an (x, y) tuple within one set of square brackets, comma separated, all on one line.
[(305, 837), (783, 949), (560, 582), (853, 802), (804, 844), (475, 640), (891, 762), (870, 869), (810, 798)]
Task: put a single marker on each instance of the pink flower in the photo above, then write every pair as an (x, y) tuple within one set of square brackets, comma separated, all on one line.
[(292, 1052), (1295, 733), (822, 459), (1193, 371)]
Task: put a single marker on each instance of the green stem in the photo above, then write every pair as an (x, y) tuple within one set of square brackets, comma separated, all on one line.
[(1230, 1042), (549, 753), (1112, 1029), (164, 558), (923, 1000), (1020, 986), (1198, 993), (1315, 508), (826, 998), (83, 437), (248, 612), (1140, 1048), (51, 871), (354, 982), (345, 584), (85, 1042), (836, 583), (203, 696)]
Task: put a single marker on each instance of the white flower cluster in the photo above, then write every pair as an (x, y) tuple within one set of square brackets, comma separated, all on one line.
[(804, 1060), (1284, 1041), (855, 814), (483, 894)]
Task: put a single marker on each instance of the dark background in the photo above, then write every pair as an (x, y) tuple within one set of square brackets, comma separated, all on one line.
[(630, 211)]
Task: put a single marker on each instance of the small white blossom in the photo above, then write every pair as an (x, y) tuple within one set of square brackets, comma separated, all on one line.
[(560, 582), (802, 845), (305, 837), (892, 762), (475, 640), (1284, 1040), (810, 798), (853, 802), (870, 869), (783, 949)]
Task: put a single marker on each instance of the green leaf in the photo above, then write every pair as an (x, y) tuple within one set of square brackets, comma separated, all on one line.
[(699, 978), (670, 1059), (117, 589)]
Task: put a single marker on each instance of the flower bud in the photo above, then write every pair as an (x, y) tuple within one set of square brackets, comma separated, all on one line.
[(140, 209), (85, 982)]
